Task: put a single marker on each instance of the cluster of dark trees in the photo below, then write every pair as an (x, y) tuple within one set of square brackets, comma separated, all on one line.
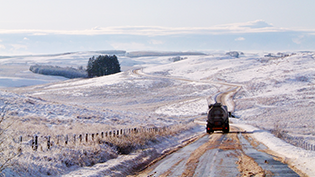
[(177, 58), (97, 66), (235, 54), (102, 65)]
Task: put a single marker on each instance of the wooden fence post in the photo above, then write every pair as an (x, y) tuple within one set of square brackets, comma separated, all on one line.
[(35, 142), (20, 145), (80, 138), (74, 139), (66, 140), (86, 137), (57, 139), (48, 142)]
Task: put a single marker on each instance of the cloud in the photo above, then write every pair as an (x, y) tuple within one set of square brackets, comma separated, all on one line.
[(25, 38), (239, 39), (247, 27), (257, 24), (40, 33), (96, 28)]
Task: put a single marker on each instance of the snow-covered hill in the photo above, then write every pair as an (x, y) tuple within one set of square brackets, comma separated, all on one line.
[(277, 93)]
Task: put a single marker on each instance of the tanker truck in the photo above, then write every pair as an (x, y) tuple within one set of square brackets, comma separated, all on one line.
[(218, 118)]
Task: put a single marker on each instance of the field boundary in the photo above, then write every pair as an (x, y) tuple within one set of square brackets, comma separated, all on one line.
[(47, 142)]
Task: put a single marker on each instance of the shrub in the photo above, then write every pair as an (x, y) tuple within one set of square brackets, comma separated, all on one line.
[(178, 58), (278, 129), (234, 54)]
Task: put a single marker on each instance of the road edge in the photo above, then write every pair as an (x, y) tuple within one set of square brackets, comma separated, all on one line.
[(283, 151)]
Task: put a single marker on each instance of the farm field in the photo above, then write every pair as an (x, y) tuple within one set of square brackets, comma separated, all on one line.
[(276, 95)]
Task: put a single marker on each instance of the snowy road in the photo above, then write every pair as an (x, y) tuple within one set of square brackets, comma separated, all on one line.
[(226, 98), (233, 154)]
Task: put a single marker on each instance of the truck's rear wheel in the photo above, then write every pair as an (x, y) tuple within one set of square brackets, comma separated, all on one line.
[(226, 129)]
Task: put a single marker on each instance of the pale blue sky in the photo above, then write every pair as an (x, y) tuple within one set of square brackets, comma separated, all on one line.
[(86, 14), (54, 26)]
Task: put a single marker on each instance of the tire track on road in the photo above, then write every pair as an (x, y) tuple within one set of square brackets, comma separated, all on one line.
[(219, 155)]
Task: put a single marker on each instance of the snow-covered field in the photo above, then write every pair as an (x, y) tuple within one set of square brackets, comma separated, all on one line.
[(277, 94)]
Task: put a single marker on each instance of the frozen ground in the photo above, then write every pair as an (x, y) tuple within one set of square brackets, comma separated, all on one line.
[(277, 93)]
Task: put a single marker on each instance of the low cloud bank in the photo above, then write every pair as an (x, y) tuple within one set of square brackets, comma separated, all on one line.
[(254, 35)]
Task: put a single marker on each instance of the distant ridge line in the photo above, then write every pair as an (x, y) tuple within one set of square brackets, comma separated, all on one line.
[(155, 53)]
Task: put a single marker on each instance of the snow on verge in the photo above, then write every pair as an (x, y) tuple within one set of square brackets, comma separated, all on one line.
[(296, 157), (186, 108), (127, 164)]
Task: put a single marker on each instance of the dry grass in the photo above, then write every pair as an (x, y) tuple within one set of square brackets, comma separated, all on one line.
[(62, 158), (278, 129), (30, 125), (5, 153), (127, 143)]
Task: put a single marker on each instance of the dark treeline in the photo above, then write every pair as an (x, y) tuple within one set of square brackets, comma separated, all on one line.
[(67, 72)]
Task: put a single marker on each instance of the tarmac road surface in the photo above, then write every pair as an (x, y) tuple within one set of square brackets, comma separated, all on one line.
[(218, 154)]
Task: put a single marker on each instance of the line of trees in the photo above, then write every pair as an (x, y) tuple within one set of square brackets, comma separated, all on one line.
[(97, 66), (102, 65), (67, 72)]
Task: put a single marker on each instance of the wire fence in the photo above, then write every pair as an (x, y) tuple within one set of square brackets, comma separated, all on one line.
[(298, 141), (46, 142)]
